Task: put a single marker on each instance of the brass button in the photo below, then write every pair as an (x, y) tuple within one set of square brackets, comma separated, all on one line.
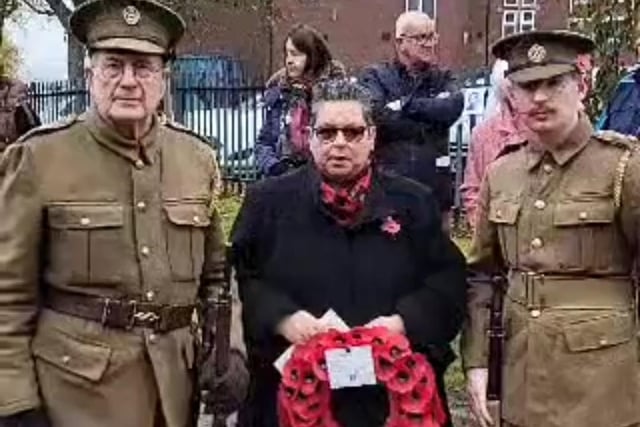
[(153, 338), (196, 219), (540, 204), (537, 243), (141, 205), (145, 250), (603, 341), (85, 221), (139, 164), (547, 168), (583, 215), (535, 313), (150, 295), (498, 214), (66, 359)]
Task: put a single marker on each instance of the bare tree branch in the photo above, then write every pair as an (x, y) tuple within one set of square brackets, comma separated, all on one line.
[(38, 7), (59, 10)]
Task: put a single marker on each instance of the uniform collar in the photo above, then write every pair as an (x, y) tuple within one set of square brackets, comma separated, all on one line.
[(575, 143), (143, 149)]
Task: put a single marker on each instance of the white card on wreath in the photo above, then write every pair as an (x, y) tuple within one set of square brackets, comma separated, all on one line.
[(331, 318), (350, 367)]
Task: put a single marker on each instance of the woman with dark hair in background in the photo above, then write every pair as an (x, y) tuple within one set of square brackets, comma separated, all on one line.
[(283, 140)]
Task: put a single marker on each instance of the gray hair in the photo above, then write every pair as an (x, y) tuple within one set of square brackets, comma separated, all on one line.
[(342, 89)]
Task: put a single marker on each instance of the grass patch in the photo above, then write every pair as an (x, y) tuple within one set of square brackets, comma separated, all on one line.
[(228, 207)]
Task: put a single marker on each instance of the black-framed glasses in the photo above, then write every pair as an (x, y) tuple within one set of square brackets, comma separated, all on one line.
[(421, 38), (329, 134)]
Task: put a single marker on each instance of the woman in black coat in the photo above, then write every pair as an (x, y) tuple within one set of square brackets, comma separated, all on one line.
[(337, 234)]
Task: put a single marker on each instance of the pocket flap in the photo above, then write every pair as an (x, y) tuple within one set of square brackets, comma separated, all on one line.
[(571, 213), (504, 211), (191, 214), (85, 216), (600, 332), (86, 359)]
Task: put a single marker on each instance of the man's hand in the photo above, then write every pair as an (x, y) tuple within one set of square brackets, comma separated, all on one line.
[(30, 418), (393, 323), (226, 392), (300, 327), (477, 380)]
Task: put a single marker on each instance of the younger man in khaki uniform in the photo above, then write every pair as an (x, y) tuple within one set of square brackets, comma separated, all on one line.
[(108, 240), (559, 215)]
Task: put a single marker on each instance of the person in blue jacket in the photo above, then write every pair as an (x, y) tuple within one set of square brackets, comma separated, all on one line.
[(623, 112), (416, 102), (283, 143)]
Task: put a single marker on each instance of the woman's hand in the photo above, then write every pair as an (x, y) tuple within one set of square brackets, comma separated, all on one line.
[(393, 323), (300, 327)]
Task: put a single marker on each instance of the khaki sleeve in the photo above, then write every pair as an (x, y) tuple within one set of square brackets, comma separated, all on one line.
[(629, 211), (482, 261), (20, 236)]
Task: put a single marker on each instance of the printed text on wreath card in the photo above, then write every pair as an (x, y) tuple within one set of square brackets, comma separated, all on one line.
[(351, 367)]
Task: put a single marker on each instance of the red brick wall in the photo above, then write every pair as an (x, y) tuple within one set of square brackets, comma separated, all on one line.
[(240, 33), (355, 28), (360, 32), (551, 14)]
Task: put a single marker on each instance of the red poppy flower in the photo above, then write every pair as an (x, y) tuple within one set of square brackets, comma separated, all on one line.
[(360, 336), (293, 374), (391, 226), (408, 373)]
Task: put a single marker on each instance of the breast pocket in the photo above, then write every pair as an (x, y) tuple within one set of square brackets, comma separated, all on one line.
[(188, 223), (585, 234), (86, 242), (504, 215)]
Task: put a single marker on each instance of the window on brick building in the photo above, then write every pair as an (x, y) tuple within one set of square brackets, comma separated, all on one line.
[(518, 16), (427, 6)]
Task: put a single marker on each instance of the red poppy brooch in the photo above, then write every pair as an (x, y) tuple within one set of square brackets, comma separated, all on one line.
[(391, 226), (304, 396)]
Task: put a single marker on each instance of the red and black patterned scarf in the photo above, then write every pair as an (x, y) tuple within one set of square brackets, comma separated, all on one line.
[(345, 204)]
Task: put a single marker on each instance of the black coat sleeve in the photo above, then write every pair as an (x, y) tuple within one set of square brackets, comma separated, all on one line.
[(264, 306), (441, 111), (433, 314)]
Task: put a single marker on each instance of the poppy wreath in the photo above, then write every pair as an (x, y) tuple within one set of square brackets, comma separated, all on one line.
[(304, 396)]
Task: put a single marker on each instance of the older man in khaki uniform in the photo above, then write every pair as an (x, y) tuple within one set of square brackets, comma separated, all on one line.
[(108, 239), (559, 214)]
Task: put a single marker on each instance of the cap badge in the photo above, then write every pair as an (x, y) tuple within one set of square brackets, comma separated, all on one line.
[(131, 15), (537, 53)]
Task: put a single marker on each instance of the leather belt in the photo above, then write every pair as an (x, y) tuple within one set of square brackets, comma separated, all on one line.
[(539, 291), (120, 314)]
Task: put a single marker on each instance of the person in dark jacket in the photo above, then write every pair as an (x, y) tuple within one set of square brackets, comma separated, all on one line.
[(283, 140), (367, 244), (416, 102), (623, 112)]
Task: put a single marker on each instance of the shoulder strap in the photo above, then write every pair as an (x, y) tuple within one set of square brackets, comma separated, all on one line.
[(621, 169)]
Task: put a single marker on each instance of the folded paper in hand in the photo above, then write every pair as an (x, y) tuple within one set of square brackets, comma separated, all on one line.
[(331, 318)]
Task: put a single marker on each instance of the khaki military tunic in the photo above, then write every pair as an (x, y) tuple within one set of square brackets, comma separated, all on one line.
[(87, 211), (551, 219)]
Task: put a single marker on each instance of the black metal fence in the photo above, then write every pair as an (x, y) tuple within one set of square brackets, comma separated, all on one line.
[(230, 116)]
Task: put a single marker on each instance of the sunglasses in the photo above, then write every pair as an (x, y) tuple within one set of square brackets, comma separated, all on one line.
[(329, 134)]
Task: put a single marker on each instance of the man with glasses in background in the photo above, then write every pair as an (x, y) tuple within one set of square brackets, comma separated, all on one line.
[(416, 102), (109, 239)]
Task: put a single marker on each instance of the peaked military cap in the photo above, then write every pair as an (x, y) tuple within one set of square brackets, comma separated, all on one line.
[(539, 55), (144, 26)]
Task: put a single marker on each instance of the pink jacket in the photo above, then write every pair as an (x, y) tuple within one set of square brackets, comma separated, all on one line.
[(488, 139)]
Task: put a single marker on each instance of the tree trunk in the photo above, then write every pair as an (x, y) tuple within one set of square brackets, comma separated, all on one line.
[(75, 59)]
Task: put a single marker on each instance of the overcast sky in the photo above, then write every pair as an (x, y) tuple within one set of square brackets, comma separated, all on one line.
[(43, 47)]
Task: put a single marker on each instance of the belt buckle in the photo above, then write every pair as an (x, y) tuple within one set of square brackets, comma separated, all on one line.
[(141, 316)]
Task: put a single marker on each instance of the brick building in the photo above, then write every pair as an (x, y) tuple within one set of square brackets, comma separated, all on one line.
[(361, 31)]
